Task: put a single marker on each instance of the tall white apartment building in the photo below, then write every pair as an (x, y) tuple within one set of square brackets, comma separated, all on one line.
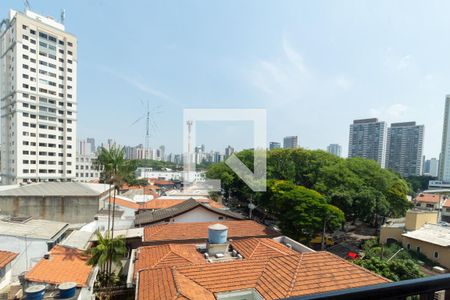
[(444, 160), (335, 149), (38, 92), (368, 139)]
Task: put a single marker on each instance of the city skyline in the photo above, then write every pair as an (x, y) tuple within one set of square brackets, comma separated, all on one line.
[(409, 74)]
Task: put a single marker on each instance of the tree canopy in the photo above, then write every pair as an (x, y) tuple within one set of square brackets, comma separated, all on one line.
[(360, 188)]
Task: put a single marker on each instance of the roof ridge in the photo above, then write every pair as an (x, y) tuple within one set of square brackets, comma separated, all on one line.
[(294, 277), (163, 257), (256, 247), (175, 281), (274, 248)]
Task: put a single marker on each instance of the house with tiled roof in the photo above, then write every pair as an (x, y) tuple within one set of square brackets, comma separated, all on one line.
[(197, 232), (62, 264), (428, 201), (270, 278), (185, 212), (6, 259)]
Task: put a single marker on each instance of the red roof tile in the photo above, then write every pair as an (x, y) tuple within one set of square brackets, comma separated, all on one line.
[(64, 265), (428, 198), (125, 203), (274, 278), (166, 203), (199, 231), (6, 257), (446, 203), (169, 255), (260, 248)]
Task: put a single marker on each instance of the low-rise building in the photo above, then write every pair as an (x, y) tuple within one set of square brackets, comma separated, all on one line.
[(70, 202), (428, 201), (64, 265), (187, 211), (30, 239), (6, 259), (85, 169)]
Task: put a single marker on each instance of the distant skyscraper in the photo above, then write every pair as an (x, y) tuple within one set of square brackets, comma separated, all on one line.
[(274, 145), (228, 151), (290, 142), (404, 148), (91, 141), (335, 149), (431, 167), (38, 92), (368, 139), (444, 160)]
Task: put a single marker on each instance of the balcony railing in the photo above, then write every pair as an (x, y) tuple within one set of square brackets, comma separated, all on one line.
[(428, 288)]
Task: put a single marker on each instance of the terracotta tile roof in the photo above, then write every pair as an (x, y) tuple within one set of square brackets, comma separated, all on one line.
[(163, 182), (169, 255), (446, 203), (199, 231), (151, 217), (274, 278), (125, 203), (166, 203), (160, 204), (255, 248), (64, 265), (428, 198), (6, 257)]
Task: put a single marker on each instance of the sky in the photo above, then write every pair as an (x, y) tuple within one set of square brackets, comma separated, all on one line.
[(315, 66)]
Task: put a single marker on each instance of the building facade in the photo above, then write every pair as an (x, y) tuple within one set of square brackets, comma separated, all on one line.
[(274, 145), (335, 149), (431, 167), (86, 171), (404, 148), (444, 160), (368, 140), (290, 142), (38, 73)]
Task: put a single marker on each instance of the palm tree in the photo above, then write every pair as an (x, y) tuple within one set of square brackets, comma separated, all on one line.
[(106, 251), (115, 168)]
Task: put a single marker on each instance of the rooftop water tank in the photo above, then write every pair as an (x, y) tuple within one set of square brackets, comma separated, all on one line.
[(67, 290), (217, 234), (35, 292)]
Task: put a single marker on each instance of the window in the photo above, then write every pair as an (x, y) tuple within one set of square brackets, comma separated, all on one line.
[(418, 249), (408, 246), (436, 254)]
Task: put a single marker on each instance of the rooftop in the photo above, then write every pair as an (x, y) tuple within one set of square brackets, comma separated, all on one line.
[(64, 265), (61, 189), (39, 229), (431, 233), (273, 278), (78, 239), (428, 198), (169, 255), (6, 257), (148, 217), (198, 231), (254, 248)]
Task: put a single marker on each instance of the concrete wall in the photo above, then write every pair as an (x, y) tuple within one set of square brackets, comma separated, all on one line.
[(415, 219), (428, 250), (6, 280), (391, 233), (62, 209), (30, 250)]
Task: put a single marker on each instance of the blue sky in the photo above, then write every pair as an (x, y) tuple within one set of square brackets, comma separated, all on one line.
[(314, 65)]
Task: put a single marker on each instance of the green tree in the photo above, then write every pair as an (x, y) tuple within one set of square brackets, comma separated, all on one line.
[(396, 269), (106, 251)]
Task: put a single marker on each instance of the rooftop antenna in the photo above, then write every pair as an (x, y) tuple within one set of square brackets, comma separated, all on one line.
[(63, 15), (27, 5)]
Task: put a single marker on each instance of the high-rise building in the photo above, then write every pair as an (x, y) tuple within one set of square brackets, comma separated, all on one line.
[(91, 141), (431, 167), (404, 148), (335, 149), (444, 160), (38, 92), (228, 151), (290, 142), (368, 140), (274, 145)]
